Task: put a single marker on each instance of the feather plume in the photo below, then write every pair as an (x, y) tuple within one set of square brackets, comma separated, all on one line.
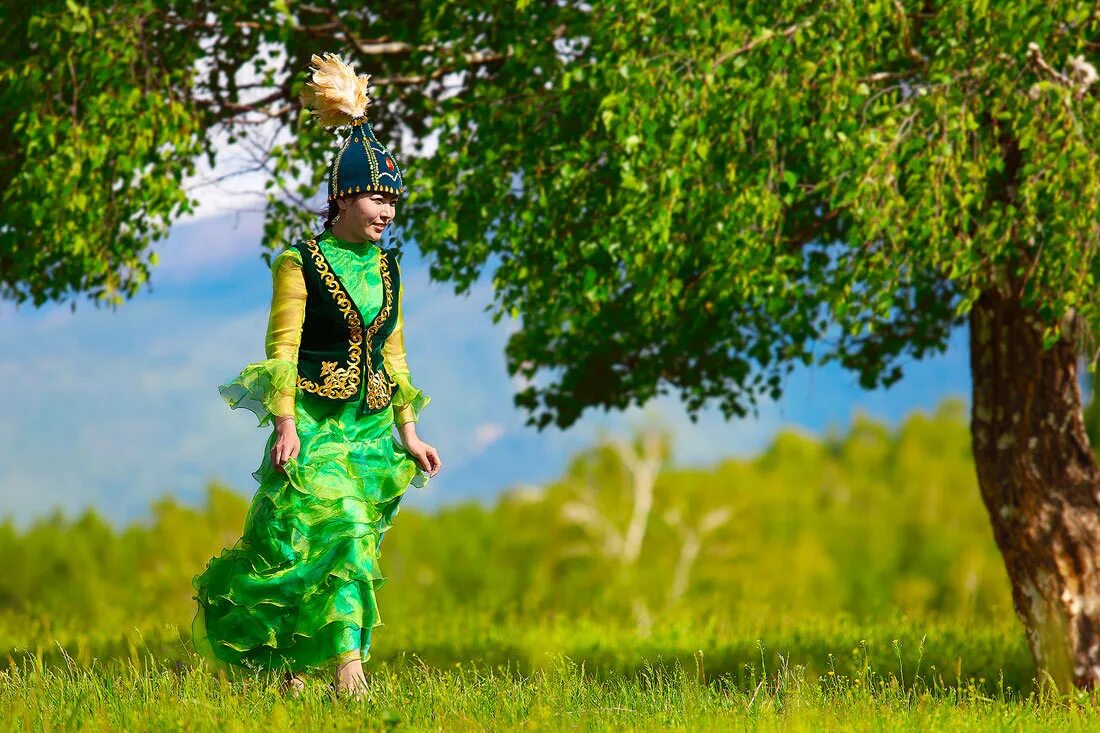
[(334, 94)]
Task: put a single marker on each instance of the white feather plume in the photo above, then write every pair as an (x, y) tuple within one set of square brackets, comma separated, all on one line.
[(334, 94)]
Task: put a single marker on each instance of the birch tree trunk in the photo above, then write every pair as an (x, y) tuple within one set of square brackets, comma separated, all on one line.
[(1039, 481)]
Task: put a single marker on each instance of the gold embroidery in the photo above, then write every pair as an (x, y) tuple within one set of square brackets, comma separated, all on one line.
[(373, 161), (336, 169), (344, 383), (380, 386), (339, 383)]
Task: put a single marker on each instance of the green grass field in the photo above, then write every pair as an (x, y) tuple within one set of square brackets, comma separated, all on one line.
[(855, 587), (829, 675)]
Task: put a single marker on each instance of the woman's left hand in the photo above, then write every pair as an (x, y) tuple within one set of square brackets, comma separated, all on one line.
[(425, 455)]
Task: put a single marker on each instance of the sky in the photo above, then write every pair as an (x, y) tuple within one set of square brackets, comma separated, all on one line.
[(112, 409)]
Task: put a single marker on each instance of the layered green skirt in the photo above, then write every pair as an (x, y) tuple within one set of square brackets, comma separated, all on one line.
[(298, 590)]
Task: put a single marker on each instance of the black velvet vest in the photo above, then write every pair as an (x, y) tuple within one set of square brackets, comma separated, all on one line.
[(338, 356)]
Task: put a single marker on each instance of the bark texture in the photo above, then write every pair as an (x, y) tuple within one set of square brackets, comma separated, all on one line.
[(1039, 480)]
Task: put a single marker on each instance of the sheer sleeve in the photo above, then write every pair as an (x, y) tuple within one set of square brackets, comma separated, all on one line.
[(268, 388), (408, 401)]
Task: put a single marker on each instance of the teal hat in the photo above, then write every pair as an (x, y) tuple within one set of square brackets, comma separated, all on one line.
[(338, 97), (363, 164)]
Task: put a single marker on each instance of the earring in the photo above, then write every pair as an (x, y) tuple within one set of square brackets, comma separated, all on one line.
[(337, 217)]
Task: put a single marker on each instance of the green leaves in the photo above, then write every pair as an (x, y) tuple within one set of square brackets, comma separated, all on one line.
[(705, 195), (96, 150), (821, 187)]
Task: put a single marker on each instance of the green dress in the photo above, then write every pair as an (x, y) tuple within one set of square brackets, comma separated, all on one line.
[(298, 590)]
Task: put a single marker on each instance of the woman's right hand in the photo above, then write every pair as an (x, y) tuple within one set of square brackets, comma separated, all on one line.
[(287, 445)]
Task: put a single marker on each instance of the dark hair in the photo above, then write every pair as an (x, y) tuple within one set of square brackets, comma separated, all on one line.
[(329, 213)]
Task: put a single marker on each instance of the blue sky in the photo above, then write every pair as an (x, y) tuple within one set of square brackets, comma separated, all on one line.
[(112, 409)]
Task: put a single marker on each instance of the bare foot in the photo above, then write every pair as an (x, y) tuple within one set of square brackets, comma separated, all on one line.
[(350, 679), (291, 685)]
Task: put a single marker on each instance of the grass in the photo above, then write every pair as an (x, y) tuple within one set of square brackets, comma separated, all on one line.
[(829, 674)]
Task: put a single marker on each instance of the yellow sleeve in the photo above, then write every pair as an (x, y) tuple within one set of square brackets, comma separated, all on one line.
[(284, 324), (268, 388), (408, 401), (288, 307)]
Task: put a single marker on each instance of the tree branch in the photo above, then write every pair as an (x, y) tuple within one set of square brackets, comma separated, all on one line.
[(762, 38)]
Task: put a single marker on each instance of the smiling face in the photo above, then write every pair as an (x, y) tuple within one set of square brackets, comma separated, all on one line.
[(365, 216)]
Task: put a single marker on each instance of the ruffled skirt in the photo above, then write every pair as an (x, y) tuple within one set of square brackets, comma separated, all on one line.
[(298, 590)]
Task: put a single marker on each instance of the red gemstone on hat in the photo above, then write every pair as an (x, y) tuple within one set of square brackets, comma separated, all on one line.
[(389, 163)]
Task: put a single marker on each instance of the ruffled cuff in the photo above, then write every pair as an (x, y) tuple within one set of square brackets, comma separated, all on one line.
[(267, 388), (408, 401)]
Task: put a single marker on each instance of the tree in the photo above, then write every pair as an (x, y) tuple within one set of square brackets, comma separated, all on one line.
[(105, 108), (697, 197), (97, 131), (705, 196)]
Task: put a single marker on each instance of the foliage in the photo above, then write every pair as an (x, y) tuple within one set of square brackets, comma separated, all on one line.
[(106, 107), (667, 195), (855, 582), (698, 196), (863, 524), (97, 133)]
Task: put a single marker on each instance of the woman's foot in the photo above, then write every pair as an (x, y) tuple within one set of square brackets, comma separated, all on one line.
[(291, 685), (350, 680)]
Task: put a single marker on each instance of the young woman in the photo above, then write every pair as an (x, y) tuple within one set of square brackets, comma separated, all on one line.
[(297, 591)]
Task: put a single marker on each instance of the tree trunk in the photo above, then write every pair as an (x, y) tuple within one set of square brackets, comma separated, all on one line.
[(1040, 481)]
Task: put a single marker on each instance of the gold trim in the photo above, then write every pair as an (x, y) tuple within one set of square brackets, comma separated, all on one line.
[(372, 159), (380, 386), (388, 189), (336, 167), (344, 383), (339, 383)]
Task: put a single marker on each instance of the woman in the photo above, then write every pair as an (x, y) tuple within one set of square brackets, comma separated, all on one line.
[(297, 591)]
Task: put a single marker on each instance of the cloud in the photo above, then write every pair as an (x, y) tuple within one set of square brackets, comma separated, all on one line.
[(486, 434), (110, 409), (96, 412), (200, 248)]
